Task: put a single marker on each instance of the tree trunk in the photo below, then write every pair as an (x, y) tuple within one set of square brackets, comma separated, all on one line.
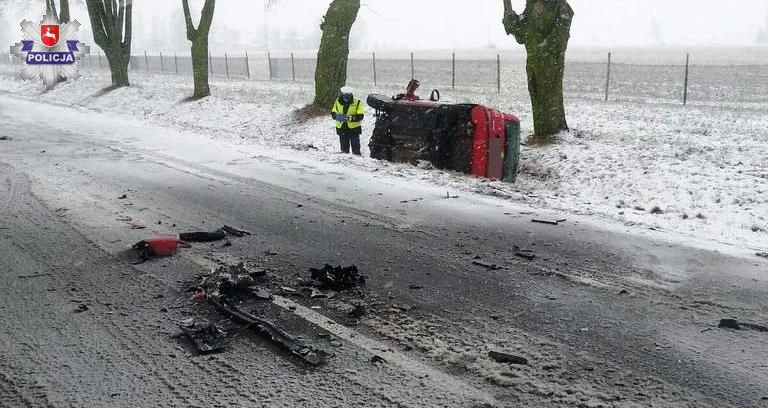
[(199, 49), (544, 29), (118, 66), (200, 67), (112, 22), (333, 54)]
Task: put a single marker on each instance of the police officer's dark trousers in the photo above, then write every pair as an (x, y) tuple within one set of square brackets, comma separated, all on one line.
[(347, 139)]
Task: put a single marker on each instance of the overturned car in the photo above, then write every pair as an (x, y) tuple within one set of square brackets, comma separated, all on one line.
[(469, 138)]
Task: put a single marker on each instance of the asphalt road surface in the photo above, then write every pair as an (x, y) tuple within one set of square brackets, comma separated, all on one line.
[(605, 319)]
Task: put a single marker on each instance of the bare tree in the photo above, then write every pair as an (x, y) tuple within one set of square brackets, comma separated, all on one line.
[(199, 38), (333, 53), (111, 23), (544, 28)]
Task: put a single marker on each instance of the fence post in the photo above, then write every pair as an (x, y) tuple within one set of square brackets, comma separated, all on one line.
[(176, 62), (269, 64), (226, 64), (247, 66), (210, 63), (146, 61), (413, 72), (498, 72), (162, 65), (453, 70), (685, 86), (608, 77), (374, 68), (293, 69), (99, 54)]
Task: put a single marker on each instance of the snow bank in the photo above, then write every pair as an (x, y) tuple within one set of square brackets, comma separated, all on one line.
[(695, 171)]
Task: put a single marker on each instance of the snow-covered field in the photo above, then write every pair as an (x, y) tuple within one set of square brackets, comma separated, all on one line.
[(698, 171)]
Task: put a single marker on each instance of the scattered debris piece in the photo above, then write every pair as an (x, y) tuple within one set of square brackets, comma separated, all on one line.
[(320, 294), (762, 254), (122, 197), (411, 201), (448, 195), (270, 253), (82, 308), (357, 311), (337, 278), (729, 324), (624, 292), (378, 359), (231, 279), (227, 243), (276, 334), (507, 358), (37, 275), (523, 253), (736, 325), (403, 308), (415, 287), (234, 231), (202, 236), (138, 226), (207, 339), (200, 294), (158, 246), (545, 221), (484, 264), (5, 138), (262, 294)]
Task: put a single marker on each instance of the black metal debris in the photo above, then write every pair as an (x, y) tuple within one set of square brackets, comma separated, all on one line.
[(292, 344), (507, 358), (207, 339), (231, 279), (486, 265), (337, 278), (737, 325), (210, 236), (201, 236)]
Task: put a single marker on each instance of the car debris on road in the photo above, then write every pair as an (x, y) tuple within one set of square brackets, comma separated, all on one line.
[(737, 325), (166, 245), (507, 358), (207, 338), (337, 278)]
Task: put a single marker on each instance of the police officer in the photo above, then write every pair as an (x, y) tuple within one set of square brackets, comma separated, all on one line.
[(348, 112)]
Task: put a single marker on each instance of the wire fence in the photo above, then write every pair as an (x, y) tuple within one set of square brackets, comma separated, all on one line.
[(611, 79)]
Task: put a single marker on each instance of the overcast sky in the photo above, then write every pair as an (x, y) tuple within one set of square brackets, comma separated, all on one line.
[(447, 24)]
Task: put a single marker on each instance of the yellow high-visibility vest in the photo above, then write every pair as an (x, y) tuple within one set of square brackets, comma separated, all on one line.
[(355, 108)]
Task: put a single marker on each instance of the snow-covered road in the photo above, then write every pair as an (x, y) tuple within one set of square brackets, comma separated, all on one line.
[(588, 343)]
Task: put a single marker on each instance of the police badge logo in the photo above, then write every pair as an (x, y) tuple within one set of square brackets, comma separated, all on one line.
[(50, 50)]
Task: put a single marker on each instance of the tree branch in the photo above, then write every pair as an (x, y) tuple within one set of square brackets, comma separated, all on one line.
[(128, 28), (206, 17), (50, 5), (514, 24), (119, 22), (98, 23), (64, 16), (191, 31)]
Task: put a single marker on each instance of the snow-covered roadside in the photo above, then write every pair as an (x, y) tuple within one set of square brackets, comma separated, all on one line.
[(704, 168)]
